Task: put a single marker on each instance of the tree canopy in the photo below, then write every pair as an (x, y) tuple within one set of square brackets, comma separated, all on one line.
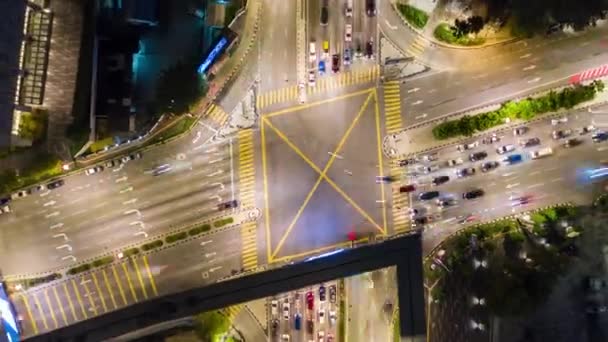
[(536, 16)]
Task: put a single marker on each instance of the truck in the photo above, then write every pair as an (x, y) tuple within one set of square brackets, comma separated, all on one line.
[(513, 159), (543, 152)]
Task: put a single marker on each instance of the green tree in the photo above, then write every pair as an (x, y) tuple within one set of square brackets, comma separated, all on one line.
[(476, 23), (211, 325), (179, 87)]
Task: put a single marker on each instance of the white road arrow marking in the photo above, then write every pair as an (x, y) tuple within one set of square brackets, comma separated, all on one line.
[(417, 102), (421, 116), (528, 68), (131, 201), (121, 179), (413, 90), (49, 203), (525, 56), (509, 186), (390, 26), (52, 214), (534, 80), (57, 225)]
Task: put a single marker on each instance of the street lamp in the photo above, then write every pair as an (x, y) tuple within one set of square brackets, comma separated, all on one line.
[(480, 263), (66, 167)]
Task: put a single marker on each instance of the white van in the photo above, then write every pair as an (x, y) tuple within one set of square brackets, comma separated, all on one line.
[(349, 8), (543, 152), (312, 52)]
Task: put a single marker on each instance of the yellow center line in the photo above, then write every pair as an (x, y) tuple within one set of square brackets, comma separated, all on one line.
[(267, 207), (39, 307), (67, 295), (108, 288), (48, 303), (380, 161), (152, 282), (141, 281), (29, 313), (322, 175), (103, 301), (124, 268), (65, 319), (117, 279), (79, 298), (88, 293)]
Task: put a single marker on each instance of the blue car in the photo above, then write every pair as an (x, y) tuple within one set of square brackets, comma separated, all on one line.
[(298, 321), (321, 67)]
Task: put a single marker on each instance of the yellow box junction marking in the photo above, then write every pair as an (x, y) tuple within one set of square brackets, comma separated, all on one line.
[(106, 282), (101, 296), (88, 294), (117, 280), (79, 298), (133, 293), (418, 46), (51, 311), (40, 312), (139, 278), (322, 174)]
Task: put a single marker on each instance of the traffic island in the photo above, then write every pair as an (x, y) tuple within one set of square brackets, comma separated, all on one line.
[(506, 268)]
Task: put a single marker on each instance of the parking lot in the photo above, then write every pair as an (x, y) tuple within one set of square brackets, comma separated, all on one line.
[(309, 314)]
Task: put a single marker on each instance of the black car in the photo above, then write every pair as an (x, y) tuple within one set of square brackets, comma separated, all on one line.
[(370, 8), (228, 205), (445, 202), (275, 327), (4, 200), (572, 142), (324, 15), (489, 166), (422, 220), (56, 184), (477, 156), (530, 142), (428, 195), (369, 49), (473, 194), (440, 180), (332, 293), (335, 63), (322, 294), (406, 162), (561, 134)]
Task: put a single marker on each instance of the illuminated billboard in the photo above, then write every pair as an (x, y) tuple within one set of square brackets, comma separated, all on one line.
[(7, 318), (213, 55)]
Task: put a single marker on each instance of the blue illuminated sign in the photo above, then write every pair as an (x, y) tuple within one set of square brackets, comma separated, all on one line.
[(7, 318), (213, 55)]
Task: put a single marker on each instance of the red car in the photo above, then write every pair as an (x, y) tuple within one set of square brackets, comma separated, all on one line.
[(335, 63), (310, 300), (407, 188)]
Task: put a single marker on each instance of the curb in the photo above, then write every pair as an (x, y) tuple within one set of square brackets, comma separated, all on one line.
[(433, 251), (162, 236)]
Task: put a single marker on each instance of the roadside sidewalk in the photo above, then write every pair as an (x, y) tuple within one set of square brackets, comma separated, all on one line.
[(419, 139)]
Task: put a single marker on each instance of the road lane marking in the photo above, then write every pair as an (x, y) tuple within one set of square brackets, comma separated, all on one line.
[(413, 90), (88, 294), (131, 201), (322, 174), (49, 203), (150, 276), (67, 295), (535, 185), (65, 319), (121, 179), (52, 214), (108, 288), (509, 186), (314, 104), (48, 303), (139, 278), (525, 56), (57, 225), (124, 268), (117, 279), (534, 80), (380, 161), (103, 301), (40, 312), (530, 67), (266, 205), (29, 313), (557, 179), (415, 103), (79, 299), (320, 249)]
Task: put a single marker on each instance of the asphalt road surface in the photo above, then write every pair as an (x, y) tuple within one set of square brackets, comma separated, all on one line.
[(133, 280), (558, 178), (93, 214)]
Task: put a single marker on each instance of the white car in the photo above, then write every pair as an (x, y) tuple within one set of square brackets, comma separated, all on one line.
[(286, 311), (94, 170), (4, 209), (469, 146), (558, 121), (321, 336), (285, 337), (454, 162), (348, 33), (312, 52), (505, 148), (332, 317), (312, 78)]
